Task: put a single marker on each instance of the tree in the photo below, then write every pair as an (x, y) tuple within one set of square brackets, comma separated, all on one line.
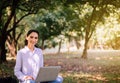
[(11, 14), (50, 24), (90, 13), (100, 10)]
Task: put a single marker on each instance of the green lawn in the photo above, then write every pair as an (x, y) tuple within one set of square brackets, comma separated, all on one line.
[(100, 67)]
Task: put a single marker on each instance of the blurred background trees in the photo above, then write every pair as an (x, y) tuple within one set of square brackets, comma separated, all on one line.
[(90, 24), (12, 12)]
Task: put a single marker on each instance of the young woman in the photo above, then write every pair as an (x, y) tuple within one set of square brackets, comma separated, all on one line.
[(29, 60)]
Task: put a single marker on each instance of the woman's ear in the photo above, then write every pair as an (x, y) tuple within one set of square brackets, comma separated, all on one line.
[(26, 38)]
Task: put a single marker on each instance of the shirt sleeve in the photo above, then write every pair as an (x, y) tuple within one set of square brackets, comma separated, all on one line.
[(42, 60), (18, 67)]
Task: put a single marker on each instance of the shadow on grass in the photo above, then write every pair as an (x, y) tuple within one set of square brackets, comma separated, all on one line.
[(83, 78), (7, 73)]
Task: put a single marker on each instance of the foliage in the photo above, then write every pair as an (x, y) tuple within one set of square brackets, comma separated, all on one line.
[(107, 34), (74, 19), (49, 24), (11, 14), (74, 22), (53, 25), (6, 69), (114, 43), (90, 14)]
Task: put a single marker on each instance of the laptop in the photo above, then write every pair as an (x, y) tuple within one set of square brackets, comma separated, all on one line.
[(48, 73)]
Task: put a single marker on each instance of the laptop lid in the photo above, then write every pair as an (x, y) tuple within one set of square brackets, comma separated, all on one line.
[(48, 73)]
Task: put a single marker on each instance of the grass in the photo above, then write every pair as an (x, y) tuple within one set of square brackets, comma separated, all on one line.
[(100, 67)]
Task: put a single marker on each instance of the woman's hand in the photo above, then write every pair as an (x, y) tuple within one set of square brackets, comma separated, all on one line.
[(28, 78)]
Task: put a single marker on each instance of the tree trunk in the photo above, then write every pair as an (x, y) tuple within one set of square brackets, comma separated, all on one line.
[(68, 44), (77, 43), (59, 46), (2, 47), (84, 55), (3, 54), (11, 48), (42, 46)]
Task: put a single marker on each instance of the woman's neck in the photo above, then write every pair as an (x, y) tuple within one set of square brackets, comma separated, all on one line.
[(31, 47)]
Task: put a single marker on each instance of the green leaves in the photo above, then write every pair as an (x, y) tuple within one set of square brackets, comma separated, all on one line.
[(51, 24)]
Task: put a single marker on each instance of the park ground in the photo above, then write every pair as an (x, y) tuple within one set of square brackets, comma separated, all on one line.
[(101, 66)]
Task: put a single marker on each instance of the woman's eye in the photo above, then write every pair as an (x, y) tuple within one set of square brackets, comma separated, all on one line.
[(36, 37), (31, 36)]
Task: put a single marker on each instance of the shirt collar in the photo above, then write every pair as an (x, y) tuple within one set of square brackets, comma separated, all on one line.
[(26, 47)]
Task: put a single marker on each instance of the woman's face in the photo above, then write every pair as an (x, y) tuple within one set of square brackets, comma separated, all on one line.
[(32, 38)]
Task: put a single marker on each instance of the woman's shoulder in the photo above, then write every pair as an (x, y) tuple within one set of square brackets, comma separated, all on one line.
[(38, 49), (22, 50)]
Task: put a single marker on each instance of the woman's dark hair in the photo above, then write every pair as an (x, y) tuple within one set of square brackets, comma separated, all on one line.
[(29, 32)]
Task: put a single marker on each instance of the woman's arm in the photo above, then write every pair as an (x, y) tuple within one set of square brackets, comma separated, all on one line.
[(18, 67)]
